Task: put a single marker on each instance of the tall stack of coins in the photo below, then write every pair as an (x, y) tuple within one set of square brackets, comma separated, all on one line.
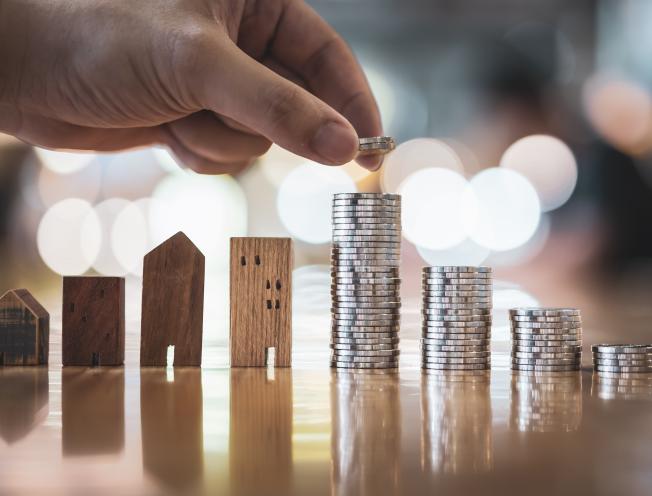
[(365, 286), (622, 358), (546, 339), (456, 328)]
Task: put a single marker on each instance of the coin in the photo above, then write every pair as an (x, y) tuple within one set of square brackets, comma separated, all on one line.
[(360, 195), (523, 343), (452, 366), (454, 354), (351, 365), (546, 349), (543, 312), (546, 368), (545, 361), (394, 294), (460, 348), (454, 281), (358, 341), (448, 324), (457, 299), (367, 244), (456, 337), (366, 201), (449, 293), (622, 348), (393, 287), (454, 330), (377, 209), (622, 356), (546, 325), (455, 342), (614, 368), (362, 347), (368, 252), (553, 333), (376, 146), (365, 359), (539, 354), (457, 287), (533, 318), (360, 304), (355, 322), (455, 268), (339, 333), (362, 355), (458, 306), (616, 362)]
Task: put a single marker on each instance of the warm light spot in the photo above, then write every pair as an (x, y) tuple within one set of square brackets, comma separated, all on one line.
[(467, 252), (64, 162), (304, 200), (69, 237), (433, 204), (621, 111), (414, 155), (548, 164), (277, 163), (106, 263), (502, 209), (130, 239)]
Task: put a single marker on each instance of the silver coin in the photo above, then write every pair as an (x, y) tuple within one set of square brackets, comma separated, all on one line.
[(546, 325), (453, 282), (614, 368), (366, 201), (376, 139), (454, 354), (457, 299), (455, 330), (392, 288), (365, 359), (366, 239), (365, 309), (365, 329), (539, 354), (350, 365), (457, 287), (364, 226), (366, 353), (456, 268), (365, 302), (364, 257), (546, 349), (378, 271), (336, 336), (458, 294), (453, 360), (396, 245), (455, 348), (543, 312), (457, 337), (364, 195), (472, 324), (460, 306), (348, 322), (366, 253), (459, 312), (621, 363), (622, 348), (338, 218), (393, 295), (439, 277), (338, 232), (533, 319), (545, 361), (453, 366), (363, 265), (622, 356), (455, 342), (526, 331), (363, 347), (546, 368), (393, 210), (359, 341), (524, 344)]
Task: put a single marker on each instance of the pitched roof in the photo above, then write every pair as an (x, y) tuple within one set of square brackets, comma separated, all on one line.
[(26, 298)]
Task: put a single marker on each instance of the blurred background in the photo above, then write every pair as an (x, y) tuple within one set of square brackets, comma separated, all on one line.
[(525, 131)]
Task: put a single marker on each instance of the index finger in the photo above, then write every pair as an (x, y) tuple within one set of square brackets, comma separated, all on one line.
[(308, 46)]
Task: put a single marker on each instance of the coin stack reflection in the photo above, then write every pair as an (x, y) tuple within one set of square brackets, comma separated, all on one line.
[(618, 359), (456, 327), (365, 286), (546, 339), (622, 386), (546, 402)]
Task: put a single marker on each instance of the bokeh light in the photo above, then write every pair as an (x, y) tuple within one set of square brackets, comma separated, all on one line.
[(548, 163), (414, 155), (69, 237), (209, 209), (305, 197), (621, 111), (527, 251), (64, 162), (502, 209), (84, 184), (277, 163), (467, 252), (432, 208), (106, 263), (130, 239)]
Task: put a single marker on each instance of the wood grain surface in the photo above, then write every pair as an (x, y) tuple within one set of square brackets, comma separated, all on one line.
[(261, 301), (93, 321), (173, 303), (24, 329), (260, 440)]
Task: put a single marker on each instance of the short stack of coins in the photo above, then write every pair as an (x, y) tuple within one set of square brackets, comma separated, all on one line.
[(456, 326), (365, 286), (546, 339), (622, 358)]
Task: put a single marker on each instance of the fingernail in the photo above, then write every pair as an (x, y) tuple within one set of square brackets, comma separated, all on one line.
[(335, 142), (371, 162)]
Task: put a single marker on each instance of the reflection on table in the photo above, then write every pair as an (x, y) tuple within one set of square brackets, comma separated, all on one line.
[(622, 387), (260, 444), (23, 401), (456, 422), (366, 432), (171, 412), (546, 402), (92, 408)]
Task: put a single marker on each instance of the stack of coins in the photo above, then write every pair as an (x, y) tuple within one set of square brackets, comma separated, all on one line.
[(546, 339), (456, 329), (378, 145), (622, 358), (365, 280)]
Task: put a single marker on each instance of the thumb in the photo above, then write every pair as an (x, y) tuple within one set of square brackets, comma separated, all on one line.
[(234, 85)]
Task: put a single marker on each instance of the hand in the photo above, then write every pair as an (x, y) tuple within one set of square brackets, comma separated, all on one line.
[(214, 80)]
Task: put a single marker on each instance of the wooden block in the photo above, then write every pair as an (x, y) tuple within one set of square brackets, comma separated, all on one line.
[(23, 401), (92, 411), (93, 321), (171, 418), (261, 409), (261, 301), (24, 329), (173, 303)]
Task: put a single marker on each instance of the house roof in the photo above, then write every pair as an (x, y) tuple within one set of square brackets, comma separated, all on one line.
[(26, 298)]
